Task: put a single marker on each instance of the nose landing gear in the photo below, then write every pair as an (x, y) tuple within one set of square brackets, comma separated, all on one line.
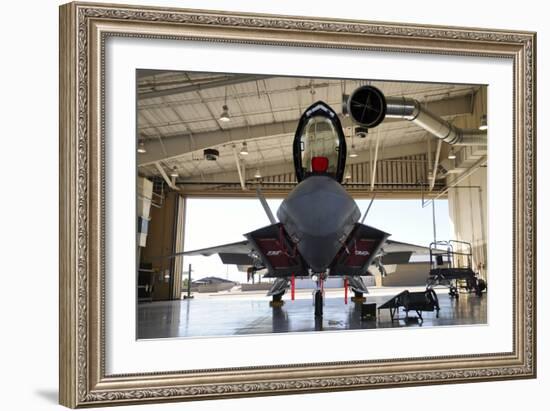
[(318, 302), (276, 301), (318, 297)]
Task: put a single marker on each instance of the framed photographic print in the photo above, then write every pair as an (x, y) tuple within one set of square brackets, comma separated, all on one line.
[(263, 205)]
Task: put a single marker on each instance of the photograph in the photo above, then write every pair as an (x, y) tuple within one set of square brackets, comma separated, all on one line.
[(261, 204), (280, 204)]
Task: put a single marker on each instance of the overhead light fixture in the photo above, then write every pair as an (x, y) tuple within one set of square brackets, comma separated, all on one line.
[(257, 174), (225, 114), (225, 110), (244, 149), (361, 132), (311, 88), (174, 173), (452, 154), (141, 147), (483, 122), (211, 154)]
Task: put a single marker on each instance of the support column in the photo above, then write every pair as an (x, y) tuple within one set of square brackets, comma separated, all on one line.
[(177, 268), (165, 237), (345, 290)]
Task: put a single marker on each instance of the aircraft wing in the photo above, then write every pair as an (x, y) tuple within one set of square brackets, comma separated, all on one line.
[(233, 253), (241, 247), (270, 246), (396, 252), (393, 252), (391, 246)]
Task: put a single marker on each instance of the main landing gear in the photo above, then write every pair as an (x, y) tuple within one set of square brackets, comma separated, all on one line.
[(358, 297), (277, 291)]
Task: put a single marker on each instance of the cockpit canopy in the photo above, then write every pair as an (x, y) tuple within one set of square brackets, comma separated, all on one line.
[(319, 144)]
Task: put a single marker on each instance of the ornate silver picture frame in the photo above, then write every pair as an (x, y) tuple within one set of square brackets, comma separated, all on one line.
[(84, 30)]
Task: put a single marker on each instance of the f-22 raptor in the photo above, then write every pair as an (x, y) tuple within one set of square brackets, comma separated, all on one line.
[(318, 233)]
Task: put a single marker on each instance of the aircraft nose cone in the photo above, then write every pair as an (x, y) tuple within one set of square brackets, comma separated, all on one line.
[(319, 213), (318, 252)]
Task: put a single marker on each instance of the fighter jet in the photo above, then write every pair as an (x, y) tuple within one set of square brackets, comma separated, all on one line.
[(318, 233)]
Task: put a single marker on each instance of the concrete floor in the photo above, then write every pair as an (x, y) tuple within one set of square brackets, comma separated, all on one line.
[(244, 313)]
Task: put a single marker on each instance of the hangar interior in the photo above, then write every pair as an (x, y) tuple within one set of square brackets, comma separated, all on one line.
[(218, 135)]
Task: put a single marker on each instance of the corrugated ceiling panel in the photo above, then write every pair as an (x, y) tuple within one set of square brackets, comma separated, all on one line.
[(175, 114)]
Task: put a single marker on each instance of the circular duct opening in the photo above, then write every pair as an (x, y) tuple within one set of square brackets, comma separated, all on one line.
[(367, 106)]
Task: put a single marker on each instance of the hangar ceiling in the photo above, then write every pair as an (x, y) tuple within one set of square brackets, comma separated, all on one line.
[(179, 117)]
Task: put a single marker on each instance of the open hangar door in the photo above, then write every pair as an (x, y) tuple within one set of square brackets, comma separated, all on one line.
[(161, 219)]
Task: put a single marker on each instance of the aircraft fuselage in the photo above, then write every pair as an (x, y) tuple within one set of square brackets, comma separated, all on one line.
[(318, 215)]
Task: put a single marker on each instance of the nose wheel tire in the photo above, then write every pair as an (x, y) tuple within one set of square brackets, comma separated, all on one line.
[(318, 303), (276, 301)]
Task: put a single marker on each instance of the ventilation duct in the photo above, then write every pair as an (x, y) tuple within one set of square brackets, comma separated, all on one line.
[(412, 110)]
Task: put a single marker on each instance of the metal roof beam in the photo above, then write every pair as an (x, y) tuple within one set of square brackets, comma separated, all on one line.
[(179, 144), (275, 169), (240, 169), (198, 86), (436, 164), (144, 73), (165, 177), (373, 172)]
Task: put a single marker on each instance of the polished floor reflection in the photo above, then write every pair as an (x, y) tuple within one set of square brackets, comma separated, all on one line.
[(229, 315)]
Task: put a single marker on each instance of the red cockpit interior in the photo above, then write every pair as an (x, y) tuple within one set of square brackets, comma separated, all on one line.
[(319, 164)]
